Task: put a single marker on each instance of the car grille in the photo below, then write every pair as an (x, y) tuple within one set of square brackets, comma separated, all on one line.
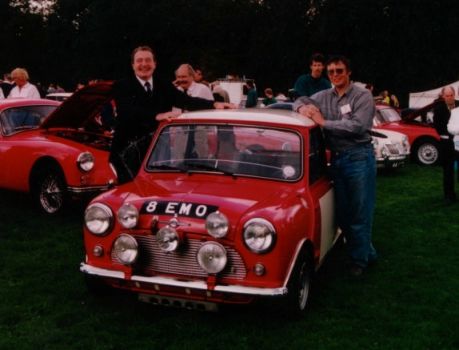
[(393, 149), (152, 260)]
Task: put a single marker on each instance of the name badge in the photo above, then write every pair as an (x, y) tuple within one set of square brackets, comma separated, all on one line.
[(346, 109)]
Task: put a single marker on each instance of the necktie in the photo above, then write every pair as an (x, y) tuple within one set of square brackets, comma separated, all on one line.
[(148, 88)]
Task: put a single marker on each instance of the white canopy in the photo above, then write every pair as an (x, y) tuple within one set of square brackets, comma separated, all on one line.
[(421, 99)]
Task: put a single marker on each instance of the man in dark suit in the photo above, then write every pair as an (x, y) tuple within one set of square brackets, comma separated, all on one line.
[(141, 101), (442, 113)]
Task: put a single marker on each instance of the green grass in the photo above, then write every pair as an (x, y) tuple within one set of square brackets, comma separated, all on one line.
[(409, 300)]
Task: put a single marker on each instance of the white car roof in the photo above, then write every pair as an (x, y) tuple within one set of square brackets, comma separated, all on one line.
[(258, 115)]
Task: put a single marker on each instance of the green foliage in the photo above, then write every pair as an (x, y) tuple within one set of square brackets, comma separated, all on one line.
[(407, 301)]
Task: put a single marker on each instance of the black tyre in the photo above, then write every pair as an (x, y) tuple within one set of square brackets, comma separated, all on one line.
[(299, 286), (426, 152), (49, 190)]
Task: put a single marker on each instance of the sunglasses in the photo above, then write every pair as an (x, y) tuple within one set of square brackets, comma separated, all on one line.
[(336, 71)]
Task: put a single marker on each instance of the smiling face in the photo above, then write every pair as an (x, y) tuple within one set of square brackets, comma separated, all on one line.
[(184, 76), (143, 64), (338, 74)]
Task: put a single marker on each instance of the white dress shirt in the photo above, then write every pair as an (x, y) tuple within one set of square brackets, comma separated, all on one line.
[(26, 91)]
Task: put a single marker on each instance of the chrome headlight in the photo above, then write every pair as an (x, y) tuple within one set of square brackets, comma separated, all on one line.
[(406, 144), (128, 216), (85, 161), (98, 218), (212, 257), (217, 224), (168, 239), (259, 235), (125, 249)]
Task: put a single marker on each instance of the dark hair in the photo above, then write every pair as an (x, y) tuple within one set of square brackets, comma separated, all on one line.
[(317, 57), (250, 83), (340, 58), (142, 48)]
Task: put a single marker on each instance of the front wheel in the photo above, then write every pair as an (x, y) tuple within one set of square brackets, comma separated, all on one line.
[(49, 190), (299, 286), (426, 153)]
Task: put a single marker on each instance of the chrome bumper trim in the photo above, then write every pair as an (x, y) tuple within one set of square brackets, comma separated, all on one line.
[(88, 189), (91, 270)]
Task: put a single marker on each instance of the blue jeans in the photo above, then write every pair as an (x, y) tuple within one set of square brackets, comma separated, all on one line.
[(354, 174)]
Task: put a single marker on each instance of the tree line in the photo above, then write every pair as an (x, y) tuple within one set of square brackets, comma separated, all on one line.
[(402, 46)]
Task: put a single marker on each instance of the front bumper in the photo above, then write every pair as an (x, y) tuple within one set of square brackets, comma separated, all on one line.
[(88, 189), (196, 285), (391, 162)]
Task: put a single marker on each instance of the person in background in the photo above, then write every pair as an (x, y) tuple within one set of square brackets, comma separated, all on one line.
[(184, 80), (394, 101), (199, 76), (345, 113), (269, 97), (309, 84), (442, 113), (252, 96), (23, 88), (385, 98), (7, 84)]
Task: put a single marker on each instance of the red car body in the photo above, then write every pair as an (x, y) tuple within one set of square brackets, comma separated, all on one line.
[(270, 196), (424, 139), (46, 148)]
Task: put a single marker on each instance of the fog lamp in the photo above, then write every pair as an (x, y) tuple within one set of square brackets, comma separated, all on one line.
[(125, 249), (212, 257), (168, 239)]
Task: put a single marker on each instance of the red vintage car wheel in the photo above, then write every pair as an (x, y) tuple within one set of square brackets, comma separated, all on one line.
[(50, 190)]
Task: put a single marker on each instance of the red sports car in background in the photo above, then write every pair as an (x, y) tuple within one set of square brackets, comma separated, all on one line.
[(55, 151), (423, 138)]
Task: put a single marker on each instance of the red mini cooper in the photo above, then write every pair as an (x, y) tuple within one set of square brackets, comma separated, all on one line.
[(229, 206)]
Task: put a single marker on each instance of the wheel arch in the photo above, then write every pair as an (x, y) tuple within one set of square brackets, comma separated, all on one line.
[(44, 163)]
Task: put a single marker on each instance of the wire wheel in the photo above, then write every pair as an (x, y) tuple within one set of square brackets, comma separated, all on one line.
[(50, 191)]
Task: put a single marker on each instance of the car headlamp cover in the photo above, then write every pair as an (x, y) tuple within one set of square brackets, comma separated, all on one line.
[(217, 224), (128, 216), (259, 235), (98, 218), (85, 161)]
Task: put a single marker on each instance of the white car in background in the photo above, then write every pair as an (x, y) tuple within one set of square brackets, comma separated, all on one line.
[(392, 148)]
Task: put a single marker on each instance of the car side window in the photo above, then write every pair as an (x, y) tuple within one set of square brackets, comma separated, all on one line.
[(317, 156)]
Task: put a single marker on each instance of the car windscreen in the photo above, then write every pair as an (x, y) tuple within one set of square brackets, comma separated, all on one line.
[(234, 150), (22, 118), (387, 115)]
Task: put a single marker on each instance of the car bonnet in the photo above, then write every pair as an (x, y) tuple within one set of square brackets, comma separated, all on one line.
[(81, 107)]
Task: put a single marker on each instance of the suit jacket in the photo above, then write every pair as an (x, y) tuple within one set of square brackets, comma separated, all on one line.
[(441, 117), (137, 110)]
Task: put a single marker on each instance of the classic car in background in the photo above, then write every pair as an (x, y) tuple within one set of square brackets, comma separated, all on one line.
[(392, 148), (47, 148), (229, 206), (424, 139)]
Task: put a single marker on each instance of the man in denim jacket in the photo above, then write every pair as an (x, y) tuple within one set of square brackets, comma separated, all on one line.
[(345, 112)]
